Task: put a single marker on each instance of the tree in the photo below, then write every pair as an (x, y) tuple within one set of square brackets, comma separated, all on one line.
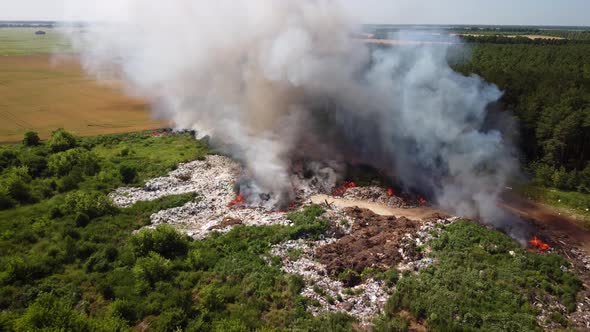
[(63, 163), (151, 269), (164, 240), (15, 183), (36, 164), (61, 140), (128, 173), (31, 139), (93, 204)]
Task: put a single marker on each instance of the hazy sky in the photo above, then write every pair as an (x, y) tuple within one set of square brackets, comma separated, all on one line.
[(522, 12)]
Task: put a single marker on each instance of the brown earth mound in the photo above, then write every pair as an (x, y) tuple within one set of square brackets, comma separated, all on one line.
[(227, 222), (374, 242)]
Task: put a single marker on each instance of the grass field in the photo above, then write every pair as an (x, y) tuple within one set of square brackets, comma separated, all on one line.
[(24, 41), (43, 92), (575, 204)]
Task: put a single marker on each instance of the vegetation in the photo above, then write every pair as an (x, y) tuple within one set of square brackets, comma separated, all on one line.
[(71, 261), (547, 88), (575, 203), (477, 284), (23, 41), (34, 172)]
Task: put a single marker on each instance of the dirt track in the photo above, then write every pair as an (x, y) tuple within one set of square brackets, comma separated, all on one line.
[(417, 213)]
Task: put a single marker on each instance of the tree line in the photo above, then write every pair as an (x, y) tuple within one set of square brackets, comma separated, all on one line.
[(547, 88)]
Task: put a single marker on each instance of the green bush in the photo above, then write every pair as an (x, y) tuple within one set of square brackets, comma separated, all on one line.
[(128, 173), (15, 184), (63, 163), (61, 140), (36, 164), (8, 158), (92, 204), (49, 312), (164, 240), (151, 269), (31, 139), (6, 201)]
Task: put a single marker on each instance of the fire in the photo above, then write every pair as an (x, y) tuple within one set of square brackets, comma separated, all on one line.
[(536, 243), (390, 192), (345, 186), (422, 200), (239, 200)]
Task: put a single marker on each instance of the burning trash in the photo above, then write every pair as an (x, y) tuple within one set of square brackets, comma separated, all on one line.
[(342, 189), (536, 243), (390, 192), (422, 200), (238, 201)]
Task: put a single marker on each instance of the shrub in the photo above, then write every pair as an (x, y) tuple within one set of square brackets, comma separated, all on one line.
[(70, 181), (64, 163), (61, 140), (8, 158), (307, 223), (15, 184), (51, 313), (82, 219), (128, 173), (36, 164), (6, 201), (164, 240), (93, 204), (31, 139), (151, 269), (349, 278)]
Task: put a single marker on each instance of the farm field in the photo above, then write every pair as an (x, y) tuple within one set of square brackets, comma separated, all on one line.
[(40, 93), (24, 41)]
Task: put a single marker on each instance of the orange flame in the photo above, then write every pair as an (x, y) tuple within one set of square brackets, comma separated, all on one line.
[(345, 186), (390, 192), (538, 244), (239, 200), (422, 200)]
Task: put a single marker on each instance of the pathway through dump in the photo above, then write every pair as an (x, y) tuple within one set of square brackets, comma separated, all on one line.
[(417, 213)]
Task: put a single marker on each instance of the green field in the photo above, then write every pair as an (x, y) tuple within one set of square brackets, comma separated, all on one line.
[(24, 41), (575, 204)]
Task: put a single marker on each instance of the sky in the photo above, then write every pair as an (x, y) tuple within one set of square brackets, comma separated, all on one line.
[(501, 12)]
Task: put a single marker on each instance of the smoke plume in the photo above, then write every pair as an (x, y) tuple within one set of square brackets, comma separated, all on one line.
[(270, 81)]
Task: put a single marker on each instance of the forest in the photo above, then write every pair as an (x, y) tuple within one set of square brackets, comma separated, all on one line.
[(546, 87)]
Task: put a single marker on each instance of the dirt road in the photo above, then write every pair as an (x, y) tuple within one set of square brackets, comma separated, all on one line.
[(551, 224), (418, 213)]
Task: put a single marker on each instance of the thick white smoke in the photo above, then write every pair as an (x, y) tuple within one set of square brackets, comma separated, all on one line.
[(270, 79)]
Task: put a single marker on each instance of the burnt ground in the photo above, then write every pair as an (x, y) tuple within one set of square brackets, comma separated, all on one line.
[(374, 242)]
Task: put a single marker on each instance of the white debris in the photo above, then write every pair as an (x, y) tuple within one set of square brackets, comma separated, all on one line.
[(213, 179), (363, 301)]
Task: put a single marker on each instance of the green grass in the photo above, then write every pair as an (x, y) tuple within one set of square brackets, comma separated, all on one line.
[(153, 156), (476, 284), (23, 41), (575, 203)]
